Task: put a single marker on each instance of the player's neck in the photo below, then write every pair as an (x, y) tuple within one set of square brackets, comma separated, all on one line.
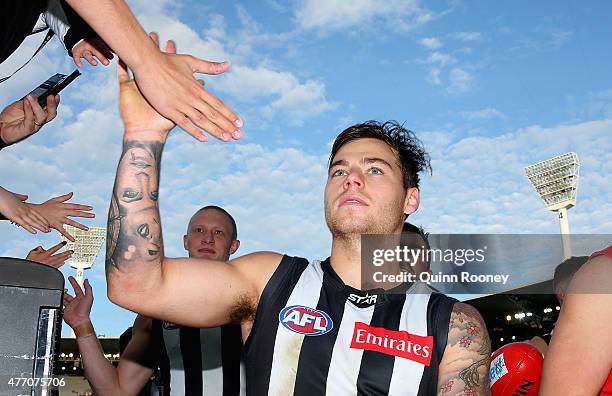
[(346, 260)]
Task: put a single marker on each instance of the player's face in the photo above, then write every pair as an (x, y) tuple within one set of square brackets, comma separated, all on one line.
[(138, 185), (209, 236), (364, 192)]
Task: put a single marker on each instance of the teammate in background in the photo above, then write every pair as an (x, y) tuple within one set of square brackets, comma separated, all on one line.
[(192, 361), (563, 276), (304, 332), (416, 238), (579, 358)]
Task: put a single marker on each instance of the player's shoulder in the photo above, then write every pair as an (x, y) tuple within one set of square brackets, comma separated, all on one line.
[(594, 277), (464, 310), (258, 267)]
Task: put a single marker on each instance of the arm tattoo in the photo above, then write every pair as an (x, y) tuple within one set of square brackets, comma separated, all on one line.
[(134, 229), (464, 369)]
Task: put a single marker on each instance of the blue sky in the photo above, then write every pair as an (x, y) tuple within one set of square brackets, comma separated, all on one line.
[(489, 88)]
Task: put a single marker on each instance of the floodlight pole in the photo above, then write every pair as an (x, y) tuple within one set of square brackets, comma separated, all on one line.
[(565, 232), (556, 181)]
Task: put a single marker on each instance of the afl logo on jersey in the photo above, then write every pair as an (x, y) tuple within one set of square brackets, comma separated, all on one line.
[(305, 320)]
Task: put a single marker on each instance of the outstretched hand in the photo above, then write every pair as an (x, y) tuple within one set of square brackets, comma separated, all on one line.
[(137, 114), (78, 308), (56, 212), (169, 85), (13, 208), (90, 49), (24, 118), (48, 256)]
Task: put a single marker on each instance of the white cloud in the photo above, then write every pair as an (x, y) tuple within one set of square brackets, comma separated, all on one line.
[(329, 15), (440, 58), (482, 114), (297, 100), (460, 81), (431, 42), (466, 36), (434, 76)]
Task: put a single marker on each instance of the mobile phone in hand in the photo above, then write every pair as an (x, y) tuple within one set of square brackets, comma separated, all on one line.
[(52, 86)]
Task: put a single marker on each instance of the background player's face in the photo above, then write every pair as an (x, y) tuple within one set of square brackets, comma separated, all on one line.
[(210, 236), (364, 192)]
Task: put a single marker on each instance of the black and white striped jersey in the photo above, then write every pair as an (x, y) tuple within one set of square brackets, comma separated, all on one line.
[(314, 335), (200, 362)]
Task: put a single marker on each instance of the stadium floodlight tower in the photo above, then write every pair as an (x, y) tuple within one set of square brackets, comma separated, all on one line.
[(85, 248), (556, 181)]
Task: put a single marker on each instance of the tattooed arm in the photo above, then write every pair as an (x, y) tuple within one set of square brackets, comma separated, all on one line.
[(464, 369), (139, 277)]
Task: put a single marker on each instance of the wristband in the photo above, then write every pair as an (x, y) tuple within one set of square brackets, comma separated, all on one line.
[(84, 329)]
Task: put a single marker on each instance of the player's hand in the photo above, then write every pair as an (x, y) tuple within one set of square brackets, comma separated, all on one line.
[(49, 256), (24, 118), (168, 84), (78, 308), (137, 114), (17, 211), (56, 211), (90, 49)]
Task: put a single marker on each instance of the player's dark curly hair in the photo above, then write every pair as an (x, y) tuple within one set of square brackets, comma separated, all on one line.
[(412, 156)]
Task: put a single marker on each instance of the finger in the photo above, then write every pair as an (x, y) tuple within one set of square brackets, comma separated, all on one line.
[(77, 60), (67, 297), (57, 247), (171, 47), (28, 114), (215, 117), (65, 233), (59, 259), (88, 291), (218, 105), (51, 108), (155, 38), (62, 198), (75, 286), (24, 224), (76, 224), (21, 197), (40, 115), (204, 119), (98, 54), (207, 67), (37, 249), (89, 57), (68, 206), (31, 219), (188, 127), (101, 45), (75, 213)]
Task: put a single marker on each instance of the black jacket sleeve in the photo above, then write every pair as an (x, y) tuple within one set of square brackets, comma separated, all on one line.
[(79, 29)]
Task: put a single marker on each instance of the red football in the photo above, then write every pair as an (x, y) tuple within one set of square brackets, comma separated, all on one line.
[(516, 369)]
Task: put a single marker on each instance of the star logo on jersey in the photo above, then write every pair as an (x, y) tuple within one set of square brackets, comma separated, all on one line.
[(305, 320), (390, 342), (361, 301)]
